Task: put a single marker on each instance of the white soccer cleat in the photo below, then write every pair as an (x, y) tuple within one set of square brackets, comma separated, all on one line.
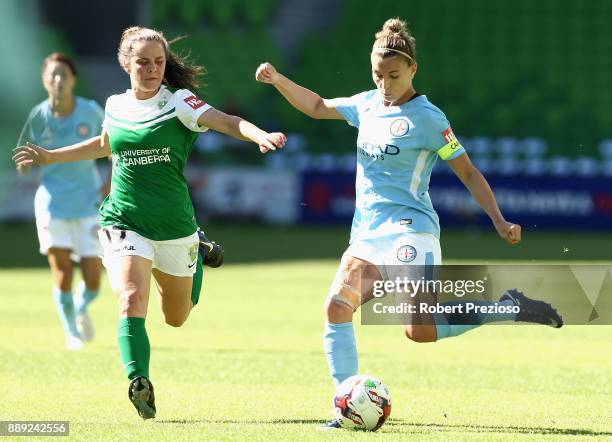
[(73, 343), (85, 326)]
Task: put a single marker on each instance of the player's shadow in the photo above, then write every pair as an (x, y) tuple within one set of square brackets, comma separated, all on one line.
[(248, 421), (398, 426)]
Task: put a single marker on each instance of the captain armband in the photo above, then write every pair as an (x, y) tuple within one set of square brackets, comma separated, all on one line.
[(452, 145), (447, 151)]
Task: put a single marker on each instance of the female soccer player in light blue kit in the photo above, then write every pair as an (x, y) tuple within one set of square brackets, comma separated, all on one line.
[(401, 134), (66, 203)]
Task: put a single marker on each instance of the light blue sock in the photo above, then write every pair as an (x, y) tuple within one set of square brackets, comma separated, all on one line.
[(340, 350), (85, 297), (455, 324), (65, 308)]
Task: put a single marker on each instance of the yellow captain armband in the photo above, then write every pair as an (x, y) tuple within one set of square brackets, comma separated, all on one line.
[(447, 151)]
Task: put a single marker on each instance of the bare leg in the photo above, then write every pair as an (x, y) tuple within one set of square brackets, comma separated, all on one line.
[(174, 296)]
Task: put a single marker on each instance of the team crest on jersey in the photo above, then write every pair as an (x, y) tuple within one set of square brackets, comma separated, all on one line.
[(406, 253), (83, 130), (161, 103), (194, 102), (399, 127)]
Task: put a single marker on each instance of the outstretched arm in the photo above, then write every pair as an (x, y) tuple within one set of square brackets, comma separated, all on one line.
[(299, 97), (478, 186), (242, 129), (91, 149)]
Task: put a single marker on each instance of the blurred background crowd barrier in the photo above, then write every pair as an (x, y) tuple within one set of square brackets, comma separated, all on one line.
[(523, 82)]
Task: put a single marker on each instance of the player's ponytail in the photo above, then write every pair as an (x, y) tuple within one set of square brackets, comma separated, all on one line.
[(395, 39), (178, 74)]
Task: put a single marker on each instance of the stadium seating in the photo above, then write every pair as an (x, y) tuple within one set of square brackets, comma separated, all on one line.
[(518, 68)]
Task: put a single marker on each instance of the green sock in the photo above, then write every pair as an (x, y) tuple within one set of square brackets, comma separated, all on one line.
[(196, 286), (134, 347)]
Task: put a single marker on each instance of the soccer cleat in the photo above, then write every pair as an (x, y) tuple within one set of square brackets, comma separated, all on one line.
[(330, 425), (73, 343), (212, 253), (538, 312), (142, 396), (85, 326)]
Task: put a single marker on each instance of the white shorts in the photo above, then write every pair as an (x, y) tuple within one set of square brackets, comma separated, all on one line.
[(177, 257), (389, 252), (77, 234)]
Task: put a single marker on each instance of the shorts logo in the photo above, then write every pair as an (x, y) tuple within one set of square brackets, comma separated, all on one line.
[(194, 102), (83, 130), (193, 254), (406, 253), (128, 248), (449, 136), (399, 127)]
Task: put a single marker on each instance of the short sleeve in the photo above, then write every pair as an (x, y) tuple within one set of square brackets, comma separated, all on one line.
[(442, 139), (27, 133), (348, 107), (189, 108), (107, 106)]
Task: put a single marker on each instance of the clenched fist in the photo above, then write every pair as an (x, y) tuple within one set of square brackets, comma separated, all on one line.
[(266, 73)]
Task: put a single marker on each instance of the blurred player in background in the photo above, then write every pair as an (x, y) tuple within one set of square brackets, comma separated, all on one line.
[(401, 134), (66, 203), (148, 221)]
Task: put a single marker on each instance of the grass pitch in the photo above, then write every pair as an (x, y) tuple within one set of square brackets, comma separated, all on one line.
[(248, 365)]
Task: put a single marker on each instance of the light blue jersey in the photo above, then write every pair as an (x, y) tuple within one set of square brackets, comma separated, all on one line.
[(397, 147), (67, 190)]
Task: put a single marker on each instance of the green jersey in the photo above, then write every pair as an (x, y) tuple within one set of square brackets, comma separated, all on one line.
[(150, 141)]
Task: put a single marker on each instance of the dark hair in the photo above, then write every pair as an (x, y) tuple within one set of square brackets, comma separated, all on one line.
[(60, 58), (395, 39), (178, 74)]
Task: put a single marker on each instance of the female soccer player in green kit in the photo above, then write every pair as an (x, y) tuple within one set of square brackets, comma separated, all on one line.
[(148, 222)]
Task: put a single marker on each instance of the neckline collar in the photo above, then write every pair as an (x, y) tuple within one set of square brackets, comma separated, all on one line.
[(381, 103), (147, 101)]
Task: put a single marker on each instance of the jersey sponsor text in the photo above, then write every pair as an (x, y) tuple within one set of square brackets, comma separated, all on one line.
[(194, 102)]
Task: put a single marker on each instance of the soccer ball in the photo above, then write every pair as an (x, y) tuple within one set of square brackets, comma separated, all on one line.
[(362, 402)]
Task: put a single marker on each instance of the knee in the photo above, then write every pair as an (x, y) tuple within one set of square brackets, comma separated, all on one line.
[(132, 302), (342, 300), (175, 321), (63, 277), (65, 273), (336, 312), (420, 333)]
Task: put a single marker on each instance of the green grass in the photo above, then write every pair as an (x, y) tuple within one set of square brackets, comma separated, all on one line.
[(248, 365)]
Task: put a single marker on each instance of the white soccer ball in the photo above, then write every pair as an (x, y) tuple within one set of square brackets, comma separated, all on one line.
[(362, 402)]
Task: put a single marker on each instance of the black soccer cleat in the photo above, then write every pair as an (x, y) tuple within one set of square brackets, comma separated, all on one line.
[(330, 425), (212, 253), (538, 312), (142, 396)]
